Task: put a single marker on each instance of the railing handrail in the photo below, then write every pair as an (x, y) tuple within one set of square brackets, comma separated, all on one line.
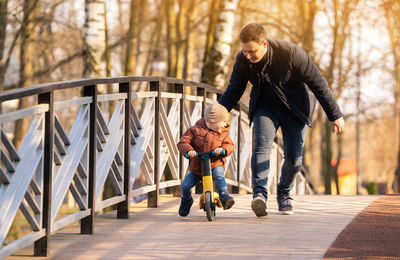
[(60, 85)]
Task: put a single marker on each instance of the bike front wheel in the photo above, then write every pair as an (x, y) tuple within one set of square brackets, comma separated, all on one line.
[(208, 206)]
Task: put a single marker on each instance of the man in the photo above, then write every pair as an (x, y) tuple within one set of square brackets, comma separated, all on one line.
[(279, 72)]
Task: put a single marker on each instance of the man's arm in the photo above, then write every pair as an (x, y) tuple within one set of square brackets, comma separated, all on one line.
[(309, 73), (184, 144), (236, 87)]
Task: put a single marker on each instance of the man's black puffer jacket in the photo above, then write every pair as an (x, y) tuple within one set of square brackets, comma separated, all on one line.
[(289, 69)]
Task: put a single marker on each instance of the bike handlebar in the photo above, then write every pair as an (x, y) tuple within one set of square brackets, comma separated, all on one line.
[(206, 155)]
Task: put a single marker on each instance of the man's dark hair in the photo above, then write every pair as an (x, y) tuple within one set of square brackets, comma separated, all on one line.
[(253, 32)]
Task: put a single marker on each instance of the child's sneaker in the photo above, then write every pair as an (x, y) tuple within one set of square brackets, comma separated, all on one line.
[(226, 200), (185, 206)]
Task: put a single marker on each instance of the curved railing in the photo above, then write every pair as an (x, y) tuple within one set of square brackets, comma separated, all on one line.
[(74, 144)]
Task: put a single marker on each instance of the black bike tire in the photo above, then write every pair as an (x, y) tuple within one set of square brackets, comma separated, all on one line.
[(210, 212)]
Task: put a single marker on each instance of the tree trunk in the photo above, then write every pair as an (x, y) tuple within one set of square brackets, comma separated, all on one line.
[(216, 67), (3, 25), (94, 39), (169, 7), (153, 52), (137, 11), (189, 36), (392, 9), (306, 11), (25, 66), (212, 18), (180, 46), (341, 12)]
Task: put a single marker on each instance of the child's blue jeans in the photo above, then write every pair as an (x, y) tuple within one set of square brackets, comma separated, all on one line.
[(192, 179)]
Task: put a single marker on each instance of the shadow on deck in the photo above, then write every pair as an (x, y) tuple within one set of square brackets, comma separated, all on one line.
[(153, 233)]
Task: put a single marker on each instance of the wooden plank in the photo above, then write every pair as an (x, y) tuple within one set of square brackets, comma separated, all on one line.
[(22, 113), (72, 102), (112, 97), (109, 202)]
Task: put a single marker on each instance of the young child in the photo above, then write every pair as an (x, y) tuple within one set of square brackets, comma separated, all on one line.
[(209, 133)]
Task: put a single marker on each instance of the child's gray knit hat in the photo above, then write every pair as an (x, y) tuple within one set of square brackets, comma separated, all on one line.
[(215, 113)]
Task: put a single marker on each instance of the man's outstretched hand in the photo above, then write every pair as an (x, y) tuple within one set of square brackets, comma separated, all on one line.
[(338, 125)]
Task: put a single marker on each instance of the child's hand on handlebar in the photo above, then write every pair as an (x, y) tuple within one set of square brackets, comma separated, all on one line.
[(218, 151), (191, 154)]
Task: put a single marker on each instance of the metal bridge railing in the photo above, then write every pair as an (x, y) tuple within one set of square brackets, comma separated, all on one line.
[(131, 147)]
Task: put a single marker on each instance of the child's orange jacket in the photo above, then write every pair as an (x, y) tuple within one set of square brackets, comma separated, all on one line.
[(201, 139)]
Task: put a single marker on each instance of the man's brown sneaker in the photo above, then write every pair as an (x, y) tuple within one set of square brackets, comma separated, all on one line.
[(259, 205)]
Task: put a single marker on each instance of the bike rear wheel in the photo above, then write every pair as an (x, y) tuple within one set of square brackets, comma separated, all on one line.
[(208, 206)]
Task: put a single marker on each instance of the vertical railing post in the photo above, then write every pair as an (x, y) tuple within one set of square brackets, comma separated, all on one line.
[(179, 88), (123, 206), (87, 223), (42, 245), (235, 189), (153, 195), (201, 92)]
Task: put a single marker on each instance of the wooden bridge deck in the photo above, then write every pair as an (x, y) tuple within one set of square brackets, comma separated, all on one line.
[(159, 233)]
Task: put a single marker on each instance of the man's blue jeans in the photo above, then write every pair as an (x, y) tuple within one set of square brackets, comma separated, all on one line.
[(266, 122), (192, 179)]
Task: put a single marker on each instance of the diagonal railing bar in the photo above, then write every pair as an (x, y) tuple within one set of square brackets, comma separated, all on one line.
[(115, 166), (64, 173), (102, 122), (77, 196), (32, 202), (4, 177), (136, 121), (173, 119), (117, 185), (77, 141), (60, 131), (28, 216), (143, 140), (10, 147), (81, 170), (170, 143), (148, 166), (100, 132), (35, 187), (114, 142), (79, 184), (15, 192), (57, 158), (59, 143), (7, 162)]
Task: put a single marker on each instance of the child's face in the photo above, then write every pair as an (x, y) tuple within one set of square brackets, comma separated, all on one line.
[(218, 126)]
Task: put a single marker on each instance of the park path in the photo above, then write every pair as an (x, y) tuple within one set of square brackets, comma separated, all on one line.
[(159, 233)]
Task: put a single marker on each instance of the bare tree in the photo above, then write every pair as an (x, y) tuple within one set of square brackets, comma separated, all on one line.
[(25, 65), (216, 67), (191, 11), (392, 16), (341, 12), (94, 39), (3, 25)]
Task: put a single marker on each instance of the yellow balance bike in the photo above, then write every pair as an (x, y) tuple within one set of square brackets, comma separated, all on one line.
[(210, 199)]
